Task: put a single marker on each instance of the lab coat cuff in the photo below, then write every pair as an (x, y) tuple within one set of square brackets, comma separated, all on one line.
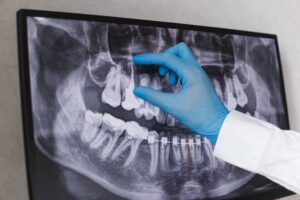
[(242, 141)]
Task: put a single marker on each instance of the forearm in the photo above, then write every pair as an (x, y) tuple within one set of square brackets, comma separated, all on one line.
[(261, 148)]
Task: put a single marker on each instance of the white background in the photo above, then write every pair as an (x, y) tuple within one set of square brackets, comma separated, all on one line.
[(270, 16)]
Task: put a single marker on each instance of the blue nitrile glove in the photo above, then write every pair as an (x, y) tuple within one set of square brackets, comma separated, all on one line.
[(196, 105)]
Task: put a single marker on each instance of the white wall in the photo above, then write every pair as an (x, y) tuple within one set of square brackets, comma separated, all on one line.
[(271, 16)]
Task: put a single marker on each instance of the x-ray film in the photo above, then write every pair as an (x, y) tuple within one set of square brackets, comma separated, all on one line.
[(89, 137)]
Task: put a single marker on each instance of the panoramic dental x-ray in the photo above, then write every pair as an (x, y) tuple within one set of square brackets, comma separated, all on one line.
[(87, 119)]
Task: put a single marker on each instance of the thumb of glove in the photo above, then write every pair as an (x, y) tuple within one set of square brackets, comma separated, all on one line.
[(154, 97)]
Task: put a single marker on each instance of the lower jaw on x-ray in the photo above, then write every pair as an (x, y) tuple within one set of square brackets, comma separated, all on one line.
[(86, 117)]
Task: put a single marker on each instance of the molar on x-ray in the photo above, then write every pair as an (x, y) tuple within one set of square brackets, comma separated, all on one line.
[(87, 119)]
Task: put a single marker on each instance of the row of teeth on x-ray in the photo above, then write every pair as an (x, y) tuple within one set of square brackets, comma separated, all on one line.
[(119, 87), (117, 83), (104, 130)]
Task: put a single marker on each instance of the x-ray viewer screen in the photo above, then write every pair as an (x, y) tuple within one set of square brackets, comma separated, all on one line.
[(88, 124)]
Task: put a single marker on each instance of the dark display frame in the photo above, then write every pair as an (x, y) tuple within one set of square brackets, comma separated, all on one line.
[(30, 149)]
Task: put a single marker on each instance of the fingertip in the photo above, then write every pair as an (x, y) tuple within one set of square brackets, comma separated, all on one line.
[(143, 92), (183, 46), (173, 78), (172, 82), (136, 58), (162, 71), (137, 91), (147, 58)]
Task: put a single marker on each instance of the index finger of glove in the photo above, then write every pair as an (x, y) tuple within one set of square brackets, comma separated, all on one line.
[(163, 59), (181, 50)]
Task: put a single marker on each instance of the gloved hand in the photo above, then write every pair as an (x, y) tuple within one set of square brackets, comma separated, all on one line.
[(196, 105)]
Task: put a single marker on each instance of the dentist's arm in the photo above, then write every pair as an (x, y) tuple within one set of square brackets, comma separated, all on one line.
[(241, 140), (260, 147)]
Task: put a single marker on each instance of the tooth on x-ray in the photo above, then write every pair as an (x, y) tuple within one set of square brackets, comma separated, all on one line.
[(137, 113), (209, 152), (195, 149), (151, 137), (134, 130), (198, 140), (175, 140), (218, 88), (176, 149), (113, 122), (153, 141), (161, 117), (164, 153), (164, 141), (192, 148), (110, 125), (184, 148), (241, 97), (128, 143), (92, 122), (198, 148), (112, 91), (130, 102), (148, 111), (171, 120), (230, 101), (113, 127), (145, 109), (133, 152)]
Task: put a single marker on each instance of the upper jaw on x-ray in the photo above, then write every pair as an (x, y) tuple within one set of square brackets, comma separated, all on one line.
[(87, 118)]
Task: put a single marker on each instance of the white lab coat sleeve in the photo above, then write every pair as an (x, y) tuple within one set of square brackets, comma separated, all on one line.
[(261, 148)]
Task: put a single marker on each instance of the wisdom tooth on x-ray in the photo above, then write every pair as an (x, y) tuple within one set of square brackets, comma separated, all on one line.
[(91, 124), (130, 101), (112, 91), (126, 146)]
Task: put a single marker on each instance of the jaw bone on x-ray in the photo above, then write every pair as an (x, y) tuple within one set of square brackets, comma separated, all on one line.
[(87, 119)]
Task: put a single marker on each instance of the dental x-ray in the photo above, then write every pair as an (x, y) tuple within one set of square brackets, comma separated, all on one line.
[(91, 138)]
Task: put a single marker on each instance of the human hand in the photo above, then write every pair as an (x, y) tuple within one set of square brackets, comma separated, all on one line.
[(196, 105)]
